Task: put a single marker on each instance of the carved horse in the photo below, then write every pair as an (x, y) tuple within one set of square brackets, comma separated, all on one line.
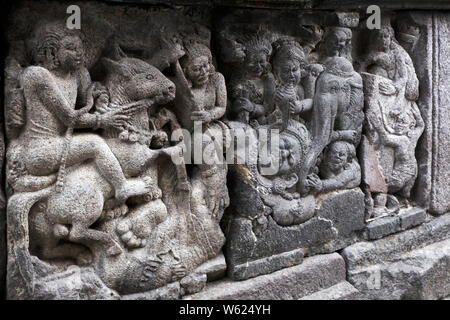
[(69, 215)]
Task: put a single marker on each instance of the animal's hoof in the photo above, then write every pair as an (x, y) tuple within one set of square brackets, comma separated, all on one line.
[(128, 237)]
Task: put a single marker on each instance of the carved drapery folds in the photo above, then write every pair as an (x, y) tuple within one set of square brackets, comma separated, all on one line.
[(94, 194)]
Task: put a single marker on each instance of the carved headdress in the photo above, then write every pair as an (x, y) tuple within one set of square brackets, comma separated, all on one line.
[(286, 49), (47, 38)]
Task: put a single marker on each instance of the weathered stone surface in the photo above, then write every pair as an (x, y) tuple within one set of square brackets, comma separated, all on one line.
[(406, 219), (73, 284), (411, 218), (193, 283), (382, 227), (171, 291), (439, 198), (374, 252), (345, 209), (94, 177), (98, 207), (339, 217), (215, 269), (422, 273), (340, 291), (413, 264), (314, 274)]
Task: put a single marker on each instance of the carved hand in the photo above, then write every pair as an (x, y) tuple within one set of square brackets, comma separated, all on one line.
[(245, 104), (315, 69), (203, 116), (295, 107), (313, 181), (387, 88), (115, 119)]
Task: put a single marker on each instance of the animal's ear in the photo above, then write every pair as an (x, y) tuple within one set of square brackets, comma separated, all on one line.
[(113, 50), (114, 66)]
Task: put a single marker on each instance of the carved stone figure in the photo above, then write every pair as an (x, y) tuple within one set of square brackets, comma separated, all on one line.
[(201, 101), (394, 124), (317, 109), (337, 43), (290, 97), (339, 169), (110, 200), (333, 94), (252, 85)]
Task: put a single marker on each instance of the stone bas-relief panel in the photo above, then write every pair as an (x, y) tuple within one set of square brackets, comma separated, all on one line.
[(328, 99), (91, 184), (98, 209)]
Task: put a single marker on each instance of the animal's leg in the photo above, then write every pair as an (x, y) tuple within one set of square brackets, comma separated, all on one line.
[(82, 234), (176, 153), (68, 250), (90, 146)]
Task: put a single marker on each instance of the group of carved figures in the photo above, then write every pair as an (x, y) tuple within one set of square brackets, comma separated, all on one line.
[(315, 98), (88, 162)]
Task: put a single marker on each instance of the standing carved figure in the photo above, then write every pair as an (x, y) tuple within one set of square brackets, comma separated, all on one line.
[(394, 124), (201, 101), (252, 85)]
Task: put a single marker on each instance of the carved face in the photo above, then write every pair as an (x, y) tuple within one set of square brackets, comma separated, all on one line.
[(288, 158), (256, 63), (401, 122), (337, 43), (289, 72), (198, 71), (337, 157), (384, 40), (102, 100), (70, 53)]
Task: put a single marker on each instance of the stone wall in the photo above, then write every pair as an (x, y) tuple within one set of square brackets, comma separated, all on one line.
[(340, 193)]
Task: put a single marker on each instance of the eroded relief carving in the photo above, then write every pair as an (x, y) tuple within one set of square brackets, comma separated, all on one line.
[(108, 197), (393, 124), (309, 92)]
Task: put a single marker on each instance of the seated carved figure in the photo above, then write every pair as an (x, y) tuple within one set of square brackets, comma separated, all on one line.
[(94, 174), (339, 169), (287, 206), (50, 91)]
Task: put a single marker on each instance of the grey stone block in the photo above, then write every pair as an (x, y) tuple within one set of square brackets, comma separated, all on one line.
[(267, 265), (314, 274), (366, 253), (340, 291), (338, 218), (171, 291), (214, 269), (382, 227), (422, 274), (411, 218)]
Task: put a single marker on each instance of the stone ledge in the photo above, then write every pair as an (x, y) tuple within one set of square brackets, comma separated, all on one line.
[(385, 226), (341, 291), (314, 274), (422, 274)]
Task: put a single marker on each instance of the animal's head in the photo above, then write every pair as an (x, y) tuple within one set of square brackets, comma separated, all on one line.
[(135, 80)]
